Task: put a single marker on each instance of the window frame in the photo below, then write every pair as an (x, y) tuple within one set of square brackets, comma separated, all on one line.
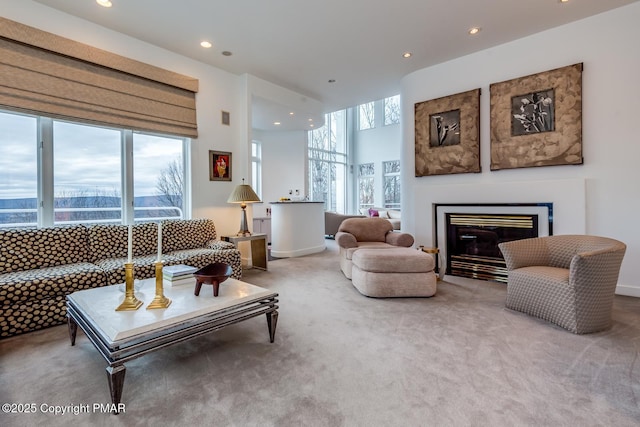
[(45, 174)]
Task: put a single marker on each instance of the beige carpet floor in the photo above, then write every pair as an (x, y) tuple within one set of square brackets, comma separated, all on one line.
[(341, 359)]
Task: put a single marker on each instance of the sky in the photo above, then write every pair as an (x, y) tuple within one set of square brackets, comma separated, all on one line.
[(86, 158)]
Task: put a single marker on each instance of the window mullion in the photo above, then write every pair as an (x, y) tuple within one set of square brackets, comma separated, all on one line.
[(45, 172), (127, 176)]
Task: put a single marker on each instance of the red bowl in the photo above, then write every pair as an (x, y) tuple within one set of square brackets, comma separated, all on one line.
[(212, 274)]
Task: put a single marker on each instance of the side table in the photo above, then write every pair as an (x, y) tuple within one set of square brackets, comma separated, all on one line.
[(258, 248), (438, 258)]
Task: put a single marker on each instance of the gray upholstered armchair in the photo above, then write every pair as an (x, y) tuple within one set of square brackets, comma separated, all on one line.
[(370, 233), (569, 280)]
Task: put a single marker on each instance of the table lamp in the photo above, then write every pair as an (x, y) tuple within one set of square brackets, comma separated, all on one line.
[(243, 194)]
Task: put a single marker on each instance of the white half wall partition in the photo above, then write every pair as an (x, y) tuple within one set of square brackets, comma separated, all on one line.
[(297, 228)]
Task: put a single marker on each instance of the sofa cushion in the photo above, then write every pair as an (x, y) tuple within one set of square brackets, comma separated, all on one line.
[(394, 214), (29, 249), (111, 241), (201, 257), (143, 268), (32, 315), (348, 252), (21, 286), (187, 234), (397, 260)]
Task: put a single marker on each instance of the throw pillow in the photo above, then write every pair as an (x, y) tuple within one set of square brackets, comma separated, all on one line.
[(373, 212)]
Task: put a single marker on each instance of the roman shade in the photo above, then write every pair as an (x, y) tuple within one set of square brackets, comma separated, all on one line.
[(46, 74)]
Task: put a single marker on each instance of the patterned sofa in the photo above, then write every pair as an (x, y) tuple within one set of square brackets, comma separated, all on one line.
[(39, 267)]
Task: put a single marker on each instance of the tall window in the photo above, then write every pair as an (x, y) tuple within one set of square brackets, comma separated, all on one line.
[(366, 116), (392, 110), (366, 173), (391, 181), (80, 174), (18, 170), (256, 167), (328, 161)]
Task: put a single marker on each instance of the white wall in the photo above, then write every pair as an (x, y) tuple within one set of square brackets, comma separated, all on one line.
[(607, 44), (284, 165), (219, 91)]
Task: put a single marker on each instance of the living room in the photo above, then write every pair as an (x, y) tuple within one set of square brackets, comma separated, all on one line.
[(597, 197)]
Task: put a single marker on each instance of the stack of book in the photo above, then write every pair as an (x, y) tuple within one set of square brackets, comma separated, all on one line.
[(178, 275)]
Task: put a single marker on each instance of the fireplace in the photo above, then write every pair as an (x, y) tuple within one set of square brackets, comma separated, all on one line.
[(470, 234)]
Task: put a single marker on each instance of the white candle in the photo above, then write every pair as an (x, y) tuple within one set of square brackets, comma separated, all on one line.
[(159, 241), (130, 245)]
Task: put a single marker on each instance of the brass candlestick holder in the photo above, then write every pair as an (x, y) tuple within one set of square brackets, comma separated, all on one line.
[(159, 301), (130, 301)]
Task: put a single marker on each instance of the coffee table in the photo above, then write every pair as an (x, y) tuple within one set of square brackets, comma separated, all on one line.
[(121, 336)]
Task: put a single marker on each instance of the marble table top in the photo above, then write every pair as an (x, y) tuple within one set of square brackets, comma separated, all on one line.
[(98, 305)]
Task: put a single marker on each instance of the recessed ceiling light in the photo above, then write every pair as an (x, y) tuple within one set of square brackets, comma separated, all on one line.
[(276, 123), (474, 30), (291, 113), (104, 3), (311, 125), (564, 1), (310, 120), (406, 55), (227, 53), (332, 80), (206, 44)]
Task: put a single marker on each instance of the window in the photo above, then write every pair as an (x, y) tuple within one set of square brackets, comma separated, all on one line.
[(158, 177), (327, 162), (391, 184), (392, 110), (80, 174), (18, 170), (366, 173), (366, 116), (256, 167), (85, 187)]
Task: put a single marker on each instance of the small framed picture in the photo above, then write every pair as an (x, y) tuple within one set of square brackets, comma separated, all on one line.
[(226, 119), (219, 166)]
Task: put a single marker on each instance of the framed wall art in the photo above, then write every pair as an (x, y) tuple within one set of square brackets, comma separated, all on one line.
[(220, 167), (447, 134), (536, 120)]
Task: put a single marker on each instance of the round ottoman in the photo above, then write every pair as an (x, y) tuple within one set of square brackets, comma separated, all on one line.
[(393, 272)]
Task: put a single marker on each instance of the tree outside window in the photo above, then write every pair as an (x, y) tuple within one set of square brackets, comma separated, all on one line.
[(392, 110), (366, 116), (391, 184), (327, 162), (366, 173)]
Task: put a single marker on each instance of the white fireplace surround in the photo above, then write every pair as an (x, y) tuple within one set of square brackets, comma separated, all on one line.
[(567, 195)]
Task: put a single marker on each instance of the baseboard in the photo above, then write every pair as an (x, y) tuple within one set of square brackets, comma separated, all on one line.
[(629, 291)]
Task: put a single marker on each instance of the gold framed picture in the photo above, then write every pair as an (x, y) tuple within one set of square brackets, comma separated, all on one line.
[(536, 120), (220, 167), (447, 134)]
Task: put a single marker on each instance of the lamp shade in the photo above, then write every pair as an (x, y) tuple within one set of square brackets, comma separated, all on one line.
[(243, 193)]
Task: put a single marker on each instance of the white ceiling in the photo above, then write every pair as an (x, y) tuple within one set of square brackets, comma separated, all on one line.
[(301, 45)]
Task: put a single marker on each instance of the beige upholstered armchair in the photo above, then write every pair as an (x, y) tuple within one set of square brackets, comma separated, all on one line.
[(370, 233), (569, 280)]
